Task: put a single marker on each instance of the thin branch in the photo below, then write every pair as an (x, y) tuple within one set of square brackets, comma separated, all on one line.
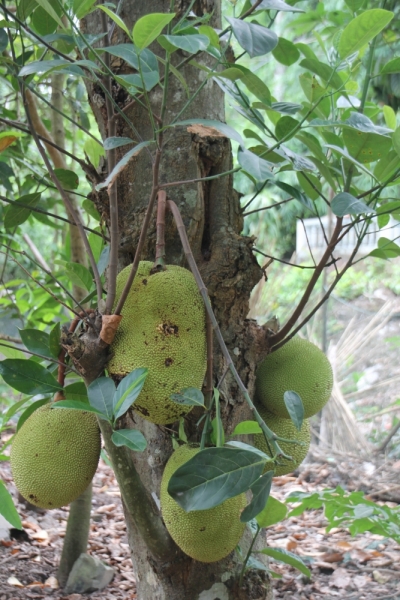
[(256, 210), (389, 436), (269, 435), (187, 181), (286, 262), (35, 251), (66, 200), (210, 356), (282, 333), (307, 240), (159, 262), (10, 338)]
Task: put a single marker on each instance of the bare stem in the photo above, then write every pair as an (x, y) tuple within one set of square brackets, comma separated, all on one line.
[(210, 356), (159, 262)]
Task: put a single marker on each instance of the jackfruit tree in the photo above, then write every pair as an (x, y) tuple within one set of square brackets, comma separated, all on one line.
[(157, 183)]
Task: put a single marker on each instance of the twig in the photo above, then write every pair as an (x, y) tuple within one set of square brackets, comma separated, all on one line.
[(10, 338), (269, 435), (285, 262), (187, 181), (35, 252), (159, 262), (278, 337), (65, 199), (256, 210), (389, 436)]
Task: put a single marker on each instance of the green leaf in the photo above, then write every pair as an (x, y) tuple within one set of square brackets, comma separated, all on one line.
[(257, 167), (211, 34), (306, 183), (115, 142), (28, 377), (295, 408), (103, 260), (287, 557), (94, 151), (255, 39), (292, 191), (232, 73), (132, 438), (346, 155), (16, 214), (286, 52), (46, 5), (214, 475), (324, 71), (135, 82), (100, 393), (120, 166), (362, 30), (278, 5), (43, 66), (247, 427), (91, 210), (36, 341), (79, 275), (286, 127), (273, 512), (254, 84), (82, 7), (54, 340), (128, 390), (68, 179), (223, 128), (396, 140), (117, 20), (354, 5), (14, 408), (189, 397), (29, 411), (390, 116), (363, 123), (76, 405), (346, 204), (393, 66), (130, 54), (261, 490), (7, 508), (42, 22), (189, 43), (96, 244), (149, 27), (76, 391)]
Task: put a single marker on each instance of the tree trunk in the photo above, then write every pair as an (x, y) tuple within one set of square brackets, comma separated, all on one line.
[(211, 213)]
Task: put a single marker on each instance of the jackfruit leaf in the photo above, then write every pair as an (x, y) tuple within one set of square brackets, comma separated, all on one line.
[(364, 124), (68, 179), (101, 393), (189, 397), (28, 377), (324, 71), (189, 43), (392, 66), (29, 411), (261, 490), (295, 408), (79, 275), (82, 7), (76, 391), (36, 341), (253, 526), (255, 85), (54, 340), (255, 39), (354, 5), (257, 167), (128, 390), (386, 249), (213, 476), (132, 438), (117, 20), (16, 214), (94, 151), (7, 508), (223, 128), (286, 52), (286, 127), (247, 427), (181, 431), (362, 30), (44, 66), (278, 5), (3, 40), (273, 512), (149, 27), (297, 194), (90, 208), (96, 243), (130, 54), (76, 405), (396, 140), (103, 260), (217, 433), (288, 558), (115, 142), (120, 166), (253, 563), (243, 446), (347, 156), (14, 408), (346, 204)]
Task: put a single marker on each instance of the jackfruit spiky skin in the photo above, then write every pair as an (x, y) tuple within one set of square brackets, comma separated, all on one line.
[(55, 455), (205, 535), (298, 366), (163, 329), (284, 428)]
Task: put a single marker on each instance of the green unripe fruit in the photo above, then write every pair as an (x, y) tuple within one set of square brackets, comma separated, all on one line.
[(284, 428), (205, 535), (163, 329), (55, 455), (298, 366)]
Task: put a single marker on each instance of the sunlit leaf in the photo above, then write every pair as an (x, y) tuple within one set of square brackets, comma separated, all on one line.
[(7, 508), (253, 38), (346, 204), (149, 27), (273, 512), (189, 397), (362, 30), (100, 394), (131, 438), (128, 390), (295, 408), (261, 490)]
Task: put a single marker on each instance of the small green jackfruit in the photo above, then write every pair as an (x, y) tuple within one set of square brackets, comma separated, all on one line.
[(298, 366), (55, 455), (284, 428), (205, 535), (163, 329)]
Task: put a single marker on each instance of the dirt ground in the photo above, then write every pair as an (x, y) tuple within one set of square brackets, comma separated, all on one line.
[(364, 567)]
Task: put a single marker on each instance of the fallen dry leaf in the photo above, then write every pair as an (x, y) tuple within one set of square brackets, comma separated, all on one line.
[(40, 535), (340, 578), (52, 583), (332, 557), (291, 545), (14, 581)]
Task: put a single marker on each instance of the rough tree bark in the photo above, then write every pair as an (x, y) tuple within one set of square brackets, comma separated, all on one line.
[(211, 213)]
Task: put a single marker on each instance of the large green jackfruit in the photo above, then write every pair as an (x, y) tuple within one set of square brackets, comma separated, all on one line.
[(55, 455), (298, 366), (163, 329), (205, 535), (284, 428)]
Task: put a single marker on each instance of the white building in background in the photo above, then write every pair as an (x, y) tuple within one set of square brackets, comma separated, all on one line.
[(311, 230)]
